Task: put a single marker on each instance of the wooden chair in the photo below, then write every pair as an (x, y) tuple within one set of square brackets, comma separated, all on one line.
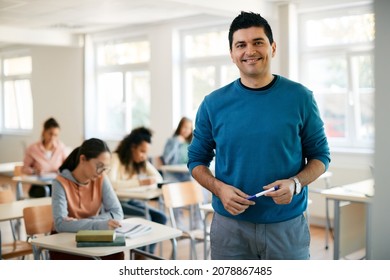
[(19, 185), (38, 220), (185, 195), (7, 196), (17, 248)]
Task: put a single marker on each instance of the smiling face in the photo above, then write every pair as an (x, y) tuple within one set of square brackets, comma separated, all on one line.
[(252, 53)]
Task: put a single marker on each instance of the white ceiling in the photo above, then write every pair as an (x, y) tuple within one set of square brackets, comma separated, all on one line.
[(21, 20), (60, 22)]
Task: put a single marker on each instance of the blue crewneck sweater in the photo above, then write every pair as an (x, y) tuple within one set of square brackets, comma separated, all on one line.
[(259, 136)]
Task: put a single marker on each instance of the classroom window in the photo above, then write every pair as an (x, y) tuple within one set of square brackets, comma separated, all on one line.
[(337, 64), (17, 104), (122, 87), (206, 65)]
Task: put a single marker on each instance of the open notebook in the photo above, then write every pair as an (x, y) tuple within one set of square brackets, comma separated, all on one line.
[(132, 230)]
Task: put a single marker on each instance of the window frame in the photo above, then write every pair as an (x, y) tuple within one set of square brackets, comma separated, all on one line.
[(216, 61), (10, 54), (92, 96), (351, 141)]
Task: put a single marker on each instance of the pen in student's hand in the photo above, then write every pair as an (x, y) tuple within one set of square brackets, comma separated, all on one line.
[(263, 193), (112, 216)]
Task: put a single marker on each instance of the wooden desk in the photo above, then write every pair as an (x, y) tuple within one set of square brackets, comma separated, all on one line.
[(144, 194), (138, 193), (360, 192), (65, 242), (33, 180), (14, 210), (180, 168), (8, 168)]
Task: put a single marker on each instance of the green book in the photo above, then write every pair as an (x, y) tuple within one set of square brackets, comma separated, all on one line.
[(96, 235), (119, 241)]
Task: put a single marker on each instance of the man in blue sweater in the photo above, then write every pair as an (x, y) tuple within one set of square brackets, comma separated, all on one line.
[(264, 131)]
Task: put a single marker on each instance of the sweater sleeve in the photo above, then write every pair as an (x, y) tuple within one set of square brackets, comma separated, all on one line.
[(151, 171), (314, 141), (201, 149), (111, 205)]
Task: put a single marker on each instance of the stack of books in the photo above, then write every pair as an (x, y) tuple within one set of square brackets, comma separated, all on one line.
[(98, 238)]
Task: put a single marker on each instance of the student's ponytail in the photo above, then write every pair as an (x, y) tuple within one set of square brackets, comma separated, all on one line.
[(71, 161)]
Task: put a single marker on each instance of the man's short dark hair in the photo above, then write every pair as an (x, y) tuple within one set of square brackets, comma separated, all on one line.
[(246, 20)]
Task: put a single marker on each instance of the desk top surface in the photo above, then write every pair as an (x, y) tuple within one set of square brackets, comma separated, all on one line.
[(9, 167), (182, 168), (36, 180), (14, 210), (65, 241), (361, 191), (143, 193)]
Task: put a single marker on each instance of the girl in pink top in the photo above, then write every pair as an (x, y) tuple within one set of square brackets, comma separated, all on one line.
[(44, 156)]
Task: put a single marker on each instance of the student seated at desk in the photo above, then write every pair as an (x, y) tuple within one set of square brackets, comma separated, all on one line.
[(130, 168), (44, 156), (81, 190), (175, 150)]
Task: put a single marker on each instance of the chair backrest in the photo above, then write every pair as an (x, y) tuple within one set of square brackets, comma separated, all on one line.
[(18, 170), (182, 194), (38, 219), (6, 195)]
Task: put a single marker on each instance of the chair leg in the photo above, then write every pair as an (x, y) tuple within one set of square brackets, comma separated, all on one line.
[(47, 191), (193, 254)]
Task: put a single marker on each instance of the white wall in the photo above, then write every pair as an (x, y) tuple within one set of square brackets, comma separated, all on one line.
[(380, 226)]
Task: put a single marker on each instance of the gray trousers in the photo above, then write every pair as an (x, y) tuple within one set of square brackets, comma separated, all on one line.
[(239, 240)]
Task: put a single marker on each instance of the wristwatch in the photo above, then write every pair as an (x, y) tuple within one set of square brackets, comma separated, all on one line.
[(298, 186)]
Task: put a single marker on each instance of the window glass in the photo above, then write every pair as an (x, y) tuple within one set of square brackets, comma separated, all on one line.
[(340, 73), (365, 65), (138, 91), (328, 72), (18, 110), (333, 109), (366, 122), (123, 53), (17, 105), (17, 66), (229, 73), (123, 88), (111, 104), (206, 65), (206, 44), (200, 81), (366, 90), (340, 30)]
